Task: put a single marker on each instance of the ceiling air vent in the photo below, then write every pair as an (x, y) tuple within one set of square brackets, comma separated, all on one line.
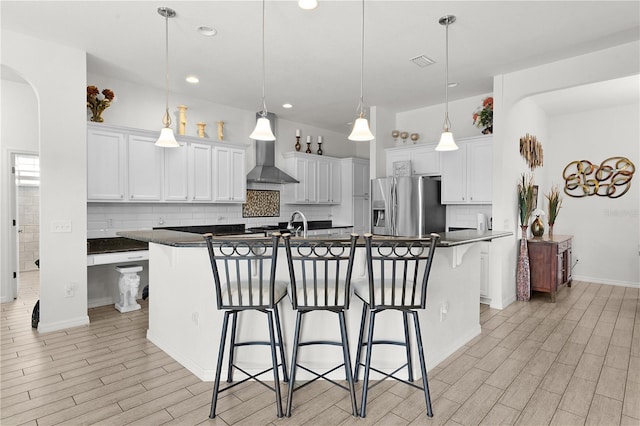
[(422, 61)]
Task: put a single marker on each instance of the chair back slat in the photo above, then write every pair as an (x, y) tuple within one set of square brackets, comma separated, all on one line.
[(399, 270), (243, 270), (320, 271)]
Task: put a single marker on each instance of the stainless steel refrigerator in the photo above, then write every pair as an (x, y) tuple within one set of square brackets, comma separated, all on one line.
[(406, 206)]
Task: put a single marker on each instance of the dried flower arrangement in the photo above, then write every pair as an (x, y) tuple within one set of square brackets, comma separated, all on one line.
[(525, 198), (554, 203), (97, 102)]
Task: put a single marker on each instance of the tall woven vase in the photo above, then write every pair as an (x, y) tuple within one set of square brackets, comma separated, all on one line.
[(523, 274)]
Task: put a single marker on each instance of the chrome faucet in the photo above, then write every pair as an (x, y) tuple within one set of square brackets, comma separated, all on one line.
[(305, 225)]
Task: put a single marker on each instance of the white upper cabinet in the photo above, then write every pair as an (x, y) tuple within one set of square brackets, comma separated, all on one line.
[(319, 176), (230, 180), (176, 173), (145, 168), (467, 172), (424, 159), (106, 165), (125, 165), (200, 176)]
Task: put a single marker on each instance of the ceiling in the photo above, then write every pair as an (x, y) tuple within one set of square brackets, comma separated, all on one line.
[(313, 57)]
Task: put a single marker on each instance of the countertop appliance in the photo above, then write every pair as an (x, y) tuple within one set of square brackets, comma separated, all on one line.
[(407, 206)]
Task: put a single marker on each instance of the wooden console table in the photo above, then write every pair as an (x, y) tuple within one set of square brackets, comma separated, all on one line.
[(550, 263)]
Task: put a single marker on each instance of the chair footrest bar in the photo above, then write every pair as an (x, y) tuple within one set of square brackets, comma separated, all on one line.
[(320, 342)]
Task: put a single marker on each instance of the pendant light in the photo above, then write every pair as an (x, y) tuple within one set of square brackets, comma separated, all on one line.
[(361, 131), (263, 132), (446, 139), (167, 139)]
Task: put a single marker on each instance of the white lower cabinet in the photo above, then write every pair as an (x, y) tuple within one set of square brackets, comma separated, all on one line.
[(230, 180), (485, 290)]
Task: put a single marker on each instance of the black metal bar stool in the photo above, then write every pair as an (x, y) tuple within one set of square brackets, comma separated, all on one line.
[(398, 271), (320, 272), (244, 273)]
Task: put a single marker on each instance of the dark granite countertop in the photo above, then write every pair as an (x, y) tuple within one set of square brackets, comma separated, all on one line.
[(114, 245), (184, 239)]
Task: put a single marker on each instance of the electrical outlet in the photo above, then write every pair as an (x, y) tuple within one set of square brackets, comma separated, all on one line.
[(161, 220), (61, 226), (109, 223), (69, 290), (444, 309)]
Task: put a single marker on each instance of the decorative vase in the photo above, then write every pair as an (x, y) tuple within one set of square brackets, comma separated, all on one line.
[(96, 115), (537, 227), (308, 151), (220, 130), (551, 230), (523, 274), (319, 148), (487, 130), (297, 145)]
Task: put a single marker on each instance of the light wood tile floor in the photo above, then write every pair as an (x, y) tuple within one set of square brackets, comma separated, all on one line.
[(573, 362)]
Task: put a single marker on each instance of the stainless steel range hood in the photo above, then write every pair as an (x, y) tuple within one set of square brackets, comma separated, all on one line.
[(265, 170)]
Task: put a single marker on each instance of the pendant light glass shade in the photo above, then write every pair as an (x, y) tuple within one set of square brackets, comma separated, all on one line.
[(263, 132), (167, 139), (446, 139), (307, 4), (446, 142), (361, 131)]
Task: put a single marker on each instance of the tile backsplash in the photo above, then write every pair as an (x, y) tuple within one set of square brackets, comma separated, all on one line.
[(105, 219), (465, 215)]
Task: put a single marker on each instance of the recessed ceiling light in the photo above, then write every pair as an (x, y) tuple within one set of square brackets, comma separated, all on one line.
[(207, 31), (287, 105), (307, 4), (454, 84), (192, 79)]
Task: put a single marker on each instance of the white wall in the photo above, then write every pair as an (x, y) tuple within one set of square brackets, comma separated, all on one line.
[(513, 116), (428, 121), (58, 77), (142, 107), (605, 230), (18, 133)]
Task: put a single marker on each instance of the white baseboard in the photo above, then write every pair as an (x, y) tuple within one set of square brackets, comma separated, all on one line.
[(62, 325), (606, 281)]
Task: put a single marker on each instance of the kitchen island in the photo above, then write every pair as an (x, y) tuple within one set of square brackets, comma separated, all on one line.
[(185, 322)]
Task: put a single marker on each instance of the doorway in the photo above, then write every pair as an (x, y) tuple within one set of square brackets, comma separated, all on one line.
[(26, 216)]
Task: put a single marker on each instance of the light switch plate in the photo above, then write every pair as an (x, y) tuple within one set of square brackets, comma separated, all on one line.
[(61, 226)]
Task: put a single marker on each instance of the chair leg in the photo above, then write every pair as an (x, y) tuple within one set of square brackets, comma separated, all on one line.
[(276, 315), (405, 319), (367, 365), (274, 362), (294, 360), (363, 321), (347, 363), (232, 346), (216, 383), (423, 367)]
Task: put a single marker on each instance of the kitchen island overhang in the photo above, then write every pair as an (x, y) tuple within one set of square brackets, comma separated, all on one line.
[(185, 323)]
